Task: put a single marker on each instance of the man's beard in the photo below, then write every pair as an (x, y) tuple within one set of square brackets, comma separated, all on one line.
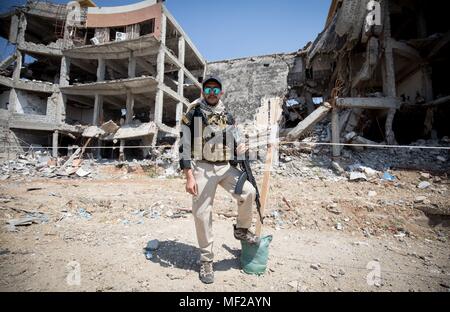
[(215, 101)]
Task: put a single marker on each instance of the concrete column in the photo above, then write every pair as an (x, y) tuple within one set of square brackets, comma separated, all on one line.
[(181, 57), (163, 28), (128, 120), (335, 132), (179, 110), (130, 107), (159, 101), (64, 76), (97, 120), (55, 144), (122, 150), (13, 29), (60, 107), (131, 65), (101, 69), (22, 29), (98, 110), (309, 103), (13, 101), (18, 68), (388, 72)]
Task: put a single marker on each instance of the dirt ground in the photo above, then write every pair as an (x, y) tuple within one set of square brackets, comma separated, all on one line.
[(328, 235)]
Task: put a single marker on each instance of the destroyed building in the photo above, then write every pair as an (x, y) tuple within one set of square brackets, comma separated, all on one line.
[(382, 66), (375, 74), (377, 69), (118, 75)]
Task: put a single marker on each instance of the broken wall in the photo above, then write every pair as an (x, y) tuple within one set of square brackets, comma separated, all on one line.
[(247, 81), (29, 103)]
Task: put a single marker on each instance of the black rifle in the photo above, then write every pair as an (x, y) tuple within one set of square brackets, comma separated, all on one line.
[(247, 175)]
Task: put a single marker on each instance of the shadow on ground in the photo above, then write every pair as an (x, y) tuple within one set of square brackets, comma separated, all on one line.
[(185, 257)]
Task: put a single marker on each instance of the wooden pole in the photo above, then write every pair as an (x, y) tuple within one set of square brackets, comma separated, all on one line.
[(265, 187)]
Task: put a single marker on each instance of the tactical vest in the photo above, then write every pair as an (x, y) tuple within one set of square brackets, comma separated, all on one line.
[(214, 144)]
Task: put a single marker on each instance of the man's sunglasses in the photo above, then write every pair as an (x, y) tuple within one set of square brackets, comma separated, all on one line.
[(209, 91)]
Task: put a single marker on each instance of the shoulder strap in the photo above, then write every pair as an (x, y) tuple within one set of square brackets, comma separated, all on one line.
[(189, 115)]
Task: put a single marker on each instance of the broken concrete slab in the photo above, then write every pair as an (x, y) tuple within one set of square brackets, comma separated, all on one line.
[(357, 176), (309, 122), (93, 132), (82, 173), (110, 127), (136, 131)]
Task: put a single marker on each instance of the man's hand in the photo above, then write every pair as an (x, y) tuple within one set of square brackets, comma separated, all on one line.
[(241, 149), (191, 184)]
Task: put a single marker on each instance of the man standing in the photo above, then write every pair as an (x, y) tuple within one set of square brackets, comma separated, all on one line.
[(205, 156)]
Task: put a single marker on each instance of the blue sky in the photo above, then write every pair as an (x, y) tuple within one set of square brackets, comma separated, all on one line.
[(235, 28)]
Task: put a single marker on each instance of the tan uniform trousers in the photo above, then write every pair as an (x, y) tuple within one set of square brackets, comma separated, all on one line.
[(208, 176)]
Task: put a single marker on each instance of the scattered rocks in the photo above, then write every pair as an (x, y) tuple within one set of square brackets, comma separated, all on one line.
[(333, 208), (420, 199), (337, 168), (357, 176), (424, 185), (315, 267)]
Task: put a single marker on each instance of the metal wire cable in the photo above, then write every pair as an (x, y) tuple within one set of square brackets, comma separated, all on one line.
[(410, 147)]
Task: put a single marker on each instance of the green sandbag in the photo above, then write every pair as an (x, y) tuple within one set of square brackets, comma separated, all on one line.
[(254, 256)]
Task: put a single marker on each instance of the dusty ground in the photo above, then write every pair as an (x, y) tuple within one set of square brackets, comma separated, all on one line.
[(328, 235)]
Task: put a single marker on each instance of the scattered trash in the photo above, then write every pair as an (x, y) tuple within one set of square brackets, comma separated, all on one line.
[(424, 185), (363, 169), (424, 176), (82, 173), (339, 227), (372, 194), (22, 222), (34, 189), (357, 176), (337, 167), (29, 219), (84, 214), (388, 177), (361, 244), (420, 199), (154, 215)]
